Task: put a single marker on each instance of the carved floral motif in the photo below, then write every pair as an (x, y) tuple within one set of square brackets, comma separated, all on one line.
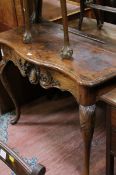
[(46, 79)]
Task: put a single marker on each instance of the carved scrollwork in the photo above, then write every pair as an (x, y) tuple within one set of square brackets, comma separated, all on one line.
[(28, 70), (34, 76), (46, 79), (23, 66), (35, 73)]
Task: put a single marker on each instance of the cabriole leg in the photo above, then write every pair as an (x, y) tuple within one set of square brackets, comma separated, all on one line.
[(87, 120), (5, 83)]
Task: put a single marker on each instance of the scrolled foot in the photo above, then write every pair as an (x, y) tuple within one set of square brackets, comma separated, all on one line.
[(66, 52), (27, 37)]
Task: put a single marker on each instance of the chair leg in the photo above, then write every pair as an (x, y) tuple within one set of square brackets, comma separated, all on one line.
[(27, 37), (82, 11), (102, 12), (66, 52), (98, 16), (37, 13)]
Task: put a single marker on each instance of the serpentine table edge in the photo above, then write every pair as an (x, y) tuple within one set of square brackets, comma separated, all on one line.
[(89, 74)]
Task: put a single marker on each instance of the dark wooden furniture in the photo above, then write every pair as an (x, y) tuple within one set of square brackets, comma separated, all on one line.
[(16, 164), (110, 100), (87, 3), (102, 9), (110, 17), (89, 74)]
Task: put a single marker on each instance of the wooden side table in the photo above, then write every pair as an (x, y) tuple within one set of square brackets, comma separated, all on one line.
[(110, 100), (89, 74)]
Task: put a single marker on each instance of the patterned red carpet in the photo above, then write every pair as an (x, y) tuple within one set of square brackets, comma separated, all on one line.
[(49, 130)]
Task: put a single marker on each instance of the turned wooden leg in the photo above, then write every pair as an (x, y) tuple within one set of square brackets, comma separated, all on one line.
[(66, 51), (5, 83), (27, 37), (87, 120)]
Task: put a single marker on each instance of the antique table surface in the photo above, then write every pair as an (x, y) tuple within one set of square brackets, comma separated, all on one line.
[(89, 74)]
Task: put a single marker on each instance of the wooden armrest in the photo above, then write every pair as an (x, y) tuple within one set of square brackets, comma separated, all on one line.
[(16, 164)]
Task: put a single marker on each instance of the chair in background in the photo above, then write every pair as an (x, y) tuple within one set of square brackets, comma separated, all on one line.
[(99, 7), (16, 164)]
